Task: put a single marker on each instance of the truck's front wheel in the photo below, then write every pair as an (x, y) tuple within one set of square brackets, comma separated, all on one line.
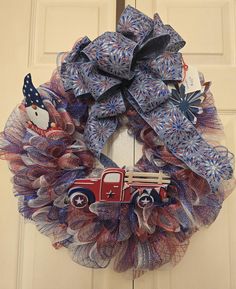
[(81, 197)]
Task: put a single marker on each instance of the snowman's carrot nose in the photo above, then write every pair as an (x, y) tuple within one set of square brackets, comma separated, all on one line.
[(34, 106)]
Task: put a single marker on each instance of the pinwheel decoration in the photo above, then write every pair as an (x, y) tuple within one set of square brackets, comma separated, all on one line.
[(188, 103)]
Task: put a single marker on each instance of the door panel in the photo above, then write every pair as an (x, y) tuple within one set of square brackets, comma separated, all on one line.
[(55, 26), (209, 30), (14, 17), (36, 31)]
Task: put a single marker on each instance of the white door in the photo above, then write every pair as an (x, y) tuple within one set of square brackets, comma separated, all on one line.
[(209, 29), (32, 33)]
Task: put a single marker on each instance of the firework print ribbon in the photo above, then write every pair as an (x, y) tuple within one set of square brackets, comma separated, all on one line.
[(134, 64)]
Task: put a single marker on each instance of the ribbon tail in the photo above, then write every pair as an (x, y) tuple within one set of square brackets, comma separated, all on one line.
[(107, 162), (184, 141), (97, 132)]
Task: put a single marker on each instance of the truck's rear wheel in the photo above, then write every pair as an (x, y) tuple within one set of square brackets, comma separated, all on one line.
[(81, 197), (147, 198), (144, 199)]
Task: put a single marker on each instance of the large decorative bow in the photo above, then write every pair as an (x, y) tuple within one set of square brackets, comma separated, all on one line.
[(134, 64), (139, 57)]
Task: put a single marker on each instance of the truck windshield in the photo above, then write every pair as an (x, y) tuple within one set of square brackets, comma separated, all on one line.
[(112, 178)]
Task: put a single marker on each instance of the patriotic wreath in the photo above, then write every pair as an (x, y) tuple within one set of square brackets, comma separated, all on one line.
[(143, 217)]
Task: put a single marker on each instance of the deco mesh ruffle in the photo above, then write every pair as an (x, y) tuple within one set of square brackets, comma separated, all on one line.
[(54, 139)]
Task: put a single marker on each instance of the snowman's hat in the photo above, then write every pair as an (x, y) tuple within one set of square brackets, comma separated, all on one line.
[(32, 96)]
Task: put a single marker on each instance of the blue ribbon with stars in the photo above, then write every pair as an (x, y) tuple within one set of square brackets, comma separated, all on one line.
[(134, 64)]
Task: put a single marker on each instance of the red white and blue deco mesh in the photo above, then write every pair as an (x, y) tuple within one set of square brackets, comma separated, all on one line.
[(141, 217)]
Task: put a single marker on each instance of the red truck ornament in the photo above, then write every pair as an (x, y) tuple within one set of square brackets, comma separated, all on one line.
[(121, 186)]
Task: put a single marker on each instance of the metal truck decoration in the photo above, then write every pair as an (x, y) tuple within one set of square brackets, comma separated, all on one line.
[(119, 185)]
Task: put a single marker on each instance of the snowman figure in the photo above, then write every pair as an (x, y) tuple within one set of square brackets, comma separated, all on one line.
[(34, 105)]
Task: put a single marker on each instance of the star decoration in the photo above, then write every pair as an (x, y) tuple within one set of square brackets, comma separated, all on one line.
[(79, 201), (145, 201), (110, 194)]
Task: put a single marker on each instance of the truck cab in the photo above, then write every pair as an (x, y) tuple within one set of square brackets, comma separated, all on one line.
[(111, 187)]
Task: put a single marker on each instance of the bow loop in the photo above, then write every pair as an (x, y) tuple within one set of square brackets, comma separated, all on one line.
[(98, 84), (157, 41), (135, 25), (158, 24), (72, 79), (168, 66), (176, 41), (75, 54), (113, 54), (70, 68)]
